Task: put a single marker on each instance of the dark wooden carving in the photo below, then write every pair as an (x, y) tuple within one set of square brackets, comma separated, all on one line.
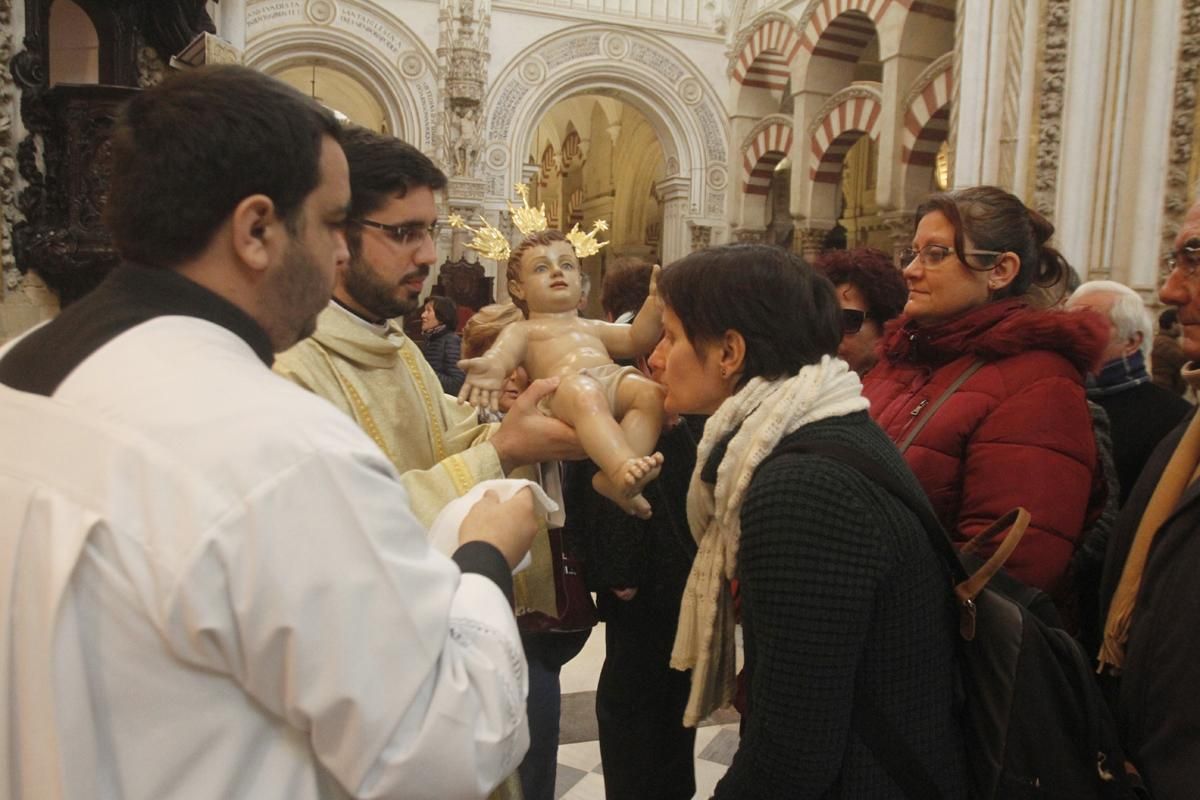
[(63, 237), (465, 283)]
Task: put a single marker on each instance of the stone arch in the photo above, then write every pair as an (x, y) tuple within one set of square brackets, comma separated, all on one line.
[(838, 30), (640, 70), (766, 53), (846, 116), (926, 126), (361, 40), (766, 146), (763, 148)]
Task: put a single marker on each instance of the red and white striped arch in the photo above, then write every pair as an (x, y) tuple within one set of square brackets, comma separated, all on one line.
[(765, 61), (839, 35), (927, 120), (764, 152), (837, 132)]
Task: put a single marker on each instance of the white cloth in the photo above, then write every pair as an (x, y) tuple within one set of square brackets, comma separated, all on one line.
[(211, 587), (444, 530), (762, 412)]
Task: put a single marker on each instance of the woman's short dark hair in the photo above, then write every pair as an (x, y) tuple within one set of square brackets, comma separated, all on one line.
[(994, 219), (445, 309), (187, 151), (873, 273), (626, 285), (788, 314)]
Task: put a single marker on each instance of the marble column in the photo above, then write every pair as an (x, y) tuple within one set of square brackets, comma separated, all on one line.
[(231, 22), (673, 193)]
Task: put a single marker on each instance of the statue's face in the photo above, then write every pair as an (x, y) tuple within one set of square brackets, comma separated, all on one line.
[(549, 278)]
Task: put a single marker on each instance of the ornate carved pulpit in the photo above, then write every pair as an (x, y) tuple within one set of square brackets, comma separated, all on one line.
[(465, 283), (63, 237)]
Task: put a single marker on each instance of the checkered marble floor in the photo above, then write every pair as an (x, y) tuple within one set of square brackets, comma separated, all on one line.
[(580, 778), (579, 773)]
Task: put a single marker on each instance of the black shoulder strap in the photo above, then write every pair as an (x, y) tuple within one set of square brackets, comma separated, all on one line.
[(873, 728)]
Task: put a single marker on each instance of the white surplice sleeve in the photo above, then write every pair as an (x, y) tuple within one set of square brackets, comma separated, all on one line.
[(405, 672)]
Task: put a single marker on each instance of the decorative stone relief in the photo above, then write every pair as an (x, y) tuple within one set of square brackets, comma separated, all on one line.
[(749, 235), (718, 177), (701, 237), (151, 68), (714, 205), (321, 12), (8, 160), (690, 91), (616, 46), (1050, 107), (1183, 122), (809, 242)]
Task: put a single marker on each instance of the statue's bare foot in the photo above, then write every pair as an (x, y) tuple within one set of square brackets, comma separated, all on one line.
[(632, 476), (637, 505)]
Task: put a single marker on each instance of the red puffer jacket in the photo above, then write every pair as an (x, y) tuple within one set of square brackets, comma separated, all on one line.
[(1017, 432)]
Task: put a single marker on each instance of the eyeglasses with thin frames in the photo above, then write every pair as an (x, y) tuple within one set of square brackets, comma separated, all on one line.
[(1186, 258), (932, 255), (408, 234), (852, 320)]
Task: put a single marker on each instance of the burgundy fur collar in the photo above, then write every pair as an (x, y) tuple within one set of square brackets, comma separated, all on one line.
[(999, 329)]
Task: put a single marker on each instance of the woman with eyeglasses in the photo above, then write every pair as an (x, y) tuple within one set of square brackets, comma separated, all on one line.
[(992, 387), (840, 587)]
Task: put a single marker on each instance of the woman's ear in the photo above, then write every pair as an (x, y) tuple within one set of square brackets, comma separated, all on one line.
[(1004, 271), (733, 354)]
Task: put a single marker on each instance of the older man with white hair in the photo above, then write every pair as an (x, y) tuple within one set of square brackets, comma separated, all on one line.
[(1140, 412)]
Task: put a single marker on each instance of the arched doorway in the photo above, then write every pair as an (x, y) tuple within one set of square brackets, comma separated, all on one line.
[(344, 93), (600, 158)]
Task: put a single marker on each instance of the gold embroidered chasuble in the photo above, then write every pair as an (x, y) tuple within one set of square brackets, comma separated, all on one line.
[(436, 444)]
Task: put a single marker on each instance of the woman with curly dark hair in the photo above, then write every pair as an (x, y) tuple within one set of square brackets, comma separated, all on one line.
[(871, 292)]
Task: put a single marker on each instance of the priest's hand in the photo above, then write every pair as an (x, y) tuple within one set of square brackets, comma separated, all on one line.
[(509, 526), (528, 436)]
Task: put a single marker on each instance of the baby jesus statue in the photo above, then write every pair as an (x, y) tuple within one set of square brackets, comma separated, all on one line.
[(616, 411)]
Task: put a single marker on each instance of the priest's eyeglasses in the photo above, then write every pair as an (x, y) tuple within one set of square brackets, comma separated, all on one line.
[(1186, 258), (409, 234), (932, 255)]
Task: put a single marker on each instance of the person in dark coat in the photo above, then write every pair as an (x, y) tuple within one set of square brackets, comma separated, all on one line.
[(638, 569), (1149, 588), (1140, 413), (844, 600), (440, 345)]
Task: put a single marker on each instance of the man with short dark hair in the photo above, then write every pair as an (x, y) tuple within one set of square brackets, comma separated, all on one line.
[(212, 585), (360, 360)]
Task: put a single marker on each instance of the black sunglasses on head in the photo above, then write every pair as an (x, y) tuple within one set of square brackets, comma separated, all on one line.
[(852, 320)]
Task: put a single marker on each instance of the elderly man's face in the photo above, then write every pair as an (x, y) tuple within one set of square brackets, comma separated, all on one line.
[(1183, 290)]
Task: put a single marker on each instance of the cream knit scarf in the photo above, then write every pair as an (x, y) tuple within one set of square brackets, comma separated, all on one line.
[(767, 411)]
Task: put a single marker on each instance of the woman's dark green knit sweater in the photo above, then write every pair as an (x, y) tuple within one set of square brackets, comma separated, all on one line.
[(842, 597)]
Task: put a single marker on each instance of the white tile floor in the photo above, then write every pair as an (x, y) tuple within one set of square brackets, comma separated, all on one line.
[(579, 776)]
